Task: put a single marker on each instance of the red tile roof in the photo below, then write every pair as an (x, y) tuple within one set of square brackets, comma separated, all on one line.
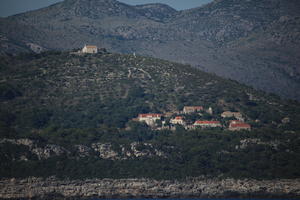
[(236, 122), (207, 122), (178, 118), (240, 125)]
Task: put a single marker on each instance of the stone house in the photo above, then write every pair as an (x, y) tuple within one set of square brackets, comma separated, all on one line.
[(237, 115), (90, 49), (236, 125), (208, 124), (192, 109)]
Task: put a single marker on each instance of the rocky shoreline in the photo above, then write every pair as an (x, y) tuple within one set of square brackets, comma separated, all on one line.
[(53, 188)]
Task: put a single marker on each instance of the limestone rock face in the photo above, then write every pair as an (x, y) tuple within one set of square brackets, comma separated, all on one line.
[(134, 150), (101, 150), (105, 151), (48, 151), (41, 152), (146, 188)]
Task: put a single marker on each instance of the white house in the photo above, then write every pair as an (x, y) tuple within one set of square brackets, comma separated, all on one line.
[(90, 49), (150, 118), (177, 120)]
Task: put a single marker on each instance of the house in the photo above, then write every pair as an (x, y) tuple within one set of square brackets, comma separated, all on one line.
[(192, 109), (236, 125), (285, 120), (150, 118), (208, 124), (177, 120), (236, 115), (90, 49)]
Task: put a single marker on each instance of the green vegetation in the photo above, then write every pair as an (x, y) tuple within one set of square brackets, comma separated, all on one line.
[(66, 99), (193, 153), (72, 91)]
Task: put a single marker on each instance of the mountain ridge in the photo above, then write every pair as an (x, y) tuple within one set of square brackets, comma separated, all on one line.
[(240, 40)]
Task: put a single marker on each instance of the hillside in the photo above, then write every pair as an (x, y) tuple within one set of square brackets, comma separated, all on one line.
[(70, 115), (254, 42), (86, 88)]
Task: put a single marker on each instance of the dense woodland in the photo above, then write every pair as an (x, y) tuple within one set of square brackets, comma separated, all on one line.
[(67, 99)]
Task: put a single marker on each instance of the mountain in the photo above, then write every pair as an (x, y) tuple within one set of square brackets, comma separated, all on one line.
[(257, 42), (157, 12), (71, 115), (251, 41)]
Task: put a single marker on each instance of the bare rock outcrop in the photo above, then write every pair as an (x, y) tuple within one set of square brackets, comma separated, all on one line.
[(143, 188), (102, 150)]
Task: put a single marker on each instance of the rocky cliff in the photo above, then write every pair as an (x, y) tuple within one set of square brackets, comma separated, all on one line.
[(146, 188), (35, 150)]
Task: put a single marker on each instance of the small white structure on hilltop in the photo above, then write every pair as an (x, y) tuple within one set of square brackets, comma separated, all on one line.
[(90, 49)]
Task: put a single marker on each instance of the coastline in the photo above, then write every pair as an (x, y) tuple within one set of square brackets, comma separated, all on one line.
[(53, 188)]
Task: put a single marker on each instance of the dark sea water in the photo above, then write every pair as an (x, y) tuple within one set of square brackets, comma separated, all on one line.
[(197, 199)]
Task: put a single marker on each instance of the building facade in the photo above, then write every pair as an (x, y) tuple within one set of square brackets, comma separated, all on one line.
[(236, 125), (90, 49), (149, 119), (208, 124), (192, 109), (236, 115), (177, 120)]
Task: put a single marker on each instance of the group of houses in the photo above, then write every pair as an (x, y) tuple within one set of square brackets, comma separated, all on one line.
[(151, 119), (237, 124)]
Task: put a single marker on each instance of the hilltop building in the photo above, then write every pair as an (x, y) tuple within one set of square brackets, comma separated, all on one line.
[(236, 125), (208, 124), (150, 118), (192, 109), (90, 49)]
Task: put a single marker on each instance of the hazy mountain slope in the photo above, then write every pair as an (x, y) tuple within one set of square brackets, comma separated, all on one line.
[(157, 12), (224, 21), (254, 42), (72, 23)]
